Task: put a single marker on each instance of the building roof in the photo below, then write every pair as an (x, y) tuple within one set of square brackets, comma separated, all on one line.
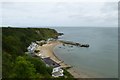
[(57, 72), (50, 62), (57, 69)]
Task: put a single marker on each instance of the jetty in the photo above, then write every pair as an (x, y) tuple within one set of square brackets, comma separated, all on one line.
[(74, 43)]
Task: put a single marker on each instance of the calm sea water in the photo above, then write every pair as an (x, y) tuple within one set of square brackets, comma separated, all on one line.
[(100, 59)]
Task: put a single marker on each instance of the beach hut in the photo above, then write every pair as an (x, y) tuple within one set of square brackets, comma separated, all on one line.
[(57, 72)]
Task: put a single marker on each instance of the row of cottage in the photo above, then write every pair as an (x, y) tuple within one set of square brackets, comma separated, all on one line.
[(57, 70)]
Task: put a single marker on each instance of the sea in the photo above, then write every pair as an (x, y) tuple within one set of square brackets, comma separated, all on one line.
[(100, 60)]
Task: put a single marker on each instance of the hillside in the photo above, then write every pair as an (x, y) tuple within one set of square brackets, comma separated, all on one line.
[(15, 64)]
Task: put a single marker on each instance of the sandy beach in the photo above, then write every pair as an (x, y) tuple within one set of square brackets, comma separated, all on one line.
[(46, 50)]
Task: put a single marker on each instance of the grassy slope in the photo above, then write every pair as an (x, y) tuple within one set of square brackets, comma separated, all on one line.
[(15, 63)]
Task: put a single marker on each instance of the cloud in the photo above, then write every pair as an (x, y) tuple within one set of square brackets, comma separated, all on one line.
[(110, 9), (59, 14), (59, 0)]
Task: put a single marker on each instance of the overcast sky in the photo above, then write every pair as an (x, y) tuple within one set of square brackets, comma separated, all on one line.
[(94, 14)]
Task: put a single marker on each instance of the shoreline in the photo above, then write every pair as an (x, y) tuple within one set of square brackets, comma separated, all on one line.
[(46, 50)]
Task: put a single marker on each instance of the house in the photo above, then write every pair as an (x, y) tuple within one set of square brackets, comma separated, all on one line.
[(32, 47), (57, 72), (50, 62), (51, 39), (41, 42)]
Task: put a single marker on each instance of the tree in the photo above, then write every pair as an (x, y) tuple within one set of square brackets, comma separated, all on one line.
[(23, 69)]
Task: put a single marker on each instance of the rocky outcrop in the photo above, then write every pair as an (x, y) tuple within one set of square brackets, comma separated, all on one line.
[(74, 43)]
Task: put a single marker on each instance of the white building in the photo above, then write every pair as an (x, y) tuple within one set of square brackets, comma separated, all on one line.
[(51, 39), (32, 47), (41, 42), (57, 71)]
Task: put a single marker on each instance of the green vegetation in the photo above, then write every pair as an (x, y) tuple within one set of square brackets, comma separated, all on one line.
[(15, 63)]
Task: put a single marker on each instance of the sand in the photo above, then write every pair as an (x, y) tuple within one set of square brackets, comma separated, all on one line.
[(46, 50)]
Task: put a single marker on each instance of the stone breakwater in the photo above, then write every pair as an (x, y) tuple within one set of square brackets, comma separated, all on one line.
[(75, 43)]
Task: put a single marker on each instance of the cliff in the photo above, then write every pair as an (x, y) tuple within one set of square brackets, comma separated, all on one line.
[(15, 64)]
